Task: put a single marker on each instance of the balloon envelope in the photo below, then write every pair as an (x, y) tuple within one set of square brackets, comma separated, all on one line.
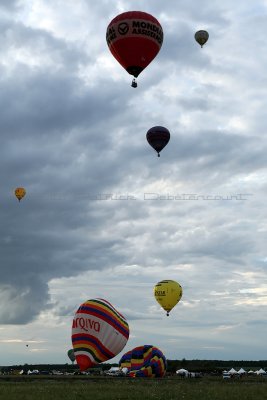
[(144, 361), (134, 39), (201, 37), (20, 193), (158, 137), (99, 333), (71, 355), (168, 293)]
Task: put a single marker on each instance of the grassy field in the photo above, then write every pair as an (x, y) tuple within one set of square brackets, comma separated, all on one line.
[(111, 388)]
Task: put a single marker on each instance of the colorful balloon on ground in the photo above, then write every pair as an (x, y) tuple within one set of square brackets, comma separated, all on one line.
[(99, 333), (134, 39), (168, 293), (158, 137), (20, 193), (201, 37), (144, 361), (71, 355)]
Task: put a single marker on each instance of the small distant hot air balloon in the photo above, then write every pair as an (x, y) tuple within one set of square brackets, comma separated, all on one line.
[(158, 137), (99, 333), (134, 39), (20, 193), (168, 293), (71, 355), (201, 37), (144, 361)]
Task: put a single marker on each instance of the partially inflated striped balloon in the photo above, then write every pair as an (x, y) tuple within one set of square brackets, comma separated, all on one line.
[(144, 361), (99, 333)]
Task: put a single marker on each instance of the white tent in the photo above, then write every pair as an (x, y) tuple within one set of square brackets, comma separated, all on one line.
[(113, 371), (251, 372), (260, 372), (241, 371), (182, 372), (232, 371), (124, 370)]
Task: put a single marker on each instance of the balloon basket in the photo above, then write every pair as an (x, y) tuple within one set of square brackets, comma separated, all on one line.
[(134, 83)]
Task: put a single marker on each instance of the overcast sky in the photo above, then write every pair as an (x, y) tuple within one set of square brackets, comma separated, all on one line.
[(74, 131)]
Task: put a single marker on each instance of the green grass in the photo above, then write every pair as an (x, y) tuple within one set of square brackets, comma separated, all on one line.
[(99, 388)]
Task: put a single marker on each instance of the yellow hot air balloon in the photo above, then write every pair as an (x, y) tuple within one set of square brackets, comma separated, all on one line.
[(20, 193), (168, 293)]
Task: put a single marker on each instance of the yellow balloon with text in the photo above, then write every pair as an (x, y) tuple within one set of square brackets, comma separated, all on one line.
[(168, 293)]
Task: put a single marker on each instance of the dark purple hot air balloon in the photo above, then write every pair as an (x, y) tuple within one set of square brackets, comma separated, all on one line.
[(201, 37), (158, 137)]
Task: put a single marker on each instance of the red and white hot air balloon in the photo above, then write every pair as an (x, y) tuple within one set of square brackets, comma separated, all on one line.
[(99, 333)]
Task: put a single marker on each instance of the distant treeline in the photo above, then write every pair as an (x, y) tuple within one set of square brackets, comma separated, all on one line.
[(205, 366)]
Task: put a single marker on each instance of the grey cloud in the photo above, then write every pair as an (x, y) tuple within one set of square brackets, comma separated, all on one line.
[(256, 322), (22, 300), (133, 315), (9, 5), (218, 152), (65, 311)]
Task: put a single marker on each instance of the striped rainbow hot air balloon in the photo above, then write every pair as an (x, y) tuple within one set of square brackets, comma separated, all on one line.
[(144, 361), (99, 333)]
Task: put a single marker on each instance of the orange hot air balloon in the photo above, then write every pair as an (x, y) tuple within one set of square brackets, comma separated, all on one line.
[(20, 193), (158, 137), (134, 39)]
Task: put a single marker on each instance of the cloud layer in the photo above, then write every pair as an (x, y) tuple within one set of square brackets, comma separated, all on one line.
[(103, 215)]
